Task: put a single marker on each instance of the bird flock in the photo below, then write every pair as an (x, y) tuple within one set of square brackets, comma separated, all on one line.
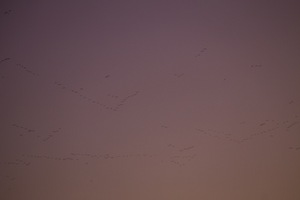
[(38, 134), (174, 154), (118, 104), (269, 128)]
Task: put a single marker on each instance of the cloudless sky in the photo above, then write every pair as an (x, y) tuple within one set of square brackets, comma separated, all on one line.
[(143, 100)]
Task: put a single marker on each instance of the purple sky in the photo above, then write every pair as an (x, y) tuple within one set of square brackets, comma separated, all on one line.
[(143, 100)]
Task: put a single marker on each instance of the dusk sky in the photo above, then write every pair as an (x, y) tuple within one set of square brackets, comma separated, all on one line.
[(150, 100)]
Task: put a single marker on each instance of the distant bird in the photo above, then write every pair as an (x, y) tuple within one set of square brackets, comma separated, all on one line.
[(7, 12), (203, 50), (179, 75)]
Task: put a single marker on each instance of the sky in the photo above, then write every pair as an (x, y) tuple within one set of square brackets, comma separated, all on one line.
[(143, 100)]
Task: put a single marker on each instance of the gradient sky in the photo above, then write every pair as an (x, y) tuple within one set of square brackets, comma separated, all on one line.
[(143, 100)]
